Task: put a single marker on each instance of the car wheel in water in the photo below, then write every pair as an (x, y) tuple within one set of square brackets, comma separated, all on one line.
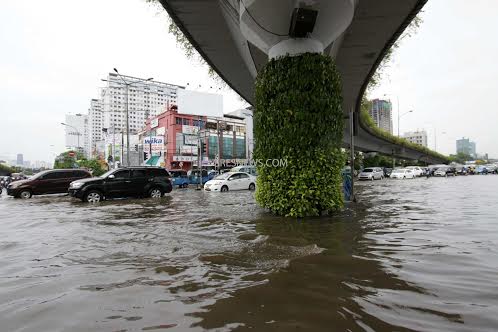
[(155, 193), (93, 196), (25, 194), (224, 188), (252, 186)]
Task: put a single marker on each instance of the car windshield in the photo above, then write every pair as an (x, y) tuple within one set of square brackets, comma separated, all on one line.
[(367, 170), (106, 174), (36, 176), (223, 176), (398, 171)]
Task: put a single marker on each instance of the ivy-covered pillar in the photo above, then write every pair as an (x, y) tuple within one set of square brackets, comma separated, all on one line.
[(299, 122)]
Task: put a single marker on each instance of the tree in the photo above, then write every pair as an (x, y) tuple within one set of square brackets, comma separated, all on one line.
[(94, 165), (64, 160)]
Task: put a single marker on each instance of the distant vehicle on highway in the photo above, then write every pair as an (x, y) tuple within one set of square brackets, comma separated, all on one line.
[(445, 171), (417, 170), (387, 171), (402, 173), (231, 181), (371, 173), (54, 181), (123, 182), (462, 170), (481, 170)]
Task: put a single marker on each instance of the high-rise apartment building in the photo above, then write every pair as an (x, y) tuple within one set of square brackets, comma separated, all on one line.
[(146, 99), (465, 146), (418, 137), (95, 124), (381, 112)]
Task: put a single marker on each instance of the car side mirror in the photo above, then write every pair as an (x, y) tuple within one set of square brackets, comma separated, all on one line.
[(110, 177)]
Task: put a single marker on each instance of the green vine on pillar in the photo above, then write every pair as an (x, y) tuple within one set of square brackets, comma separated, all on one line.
[(298, 119)]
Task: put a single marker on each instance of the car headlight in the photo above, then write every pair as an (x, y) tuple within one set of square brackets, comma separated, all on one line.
[(76, 185)]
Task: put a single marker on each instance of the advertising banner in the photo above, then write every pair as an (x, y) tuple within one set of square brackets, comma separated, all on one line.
[(187, 149), (184, 158), (154, 142), (190, 130), (191, 139)]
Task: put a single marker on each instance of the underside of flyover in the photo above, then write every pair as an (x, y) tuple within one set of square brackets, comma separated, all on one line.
[(213, 28)]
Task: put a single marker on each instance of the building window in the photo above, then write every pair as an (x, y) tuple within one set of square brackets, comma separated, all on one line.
[(186, 121), (178, 121)]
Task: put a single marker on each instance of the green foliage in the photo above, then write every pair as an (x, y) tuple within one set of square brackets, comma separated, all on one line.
[(298, 118), (93, 165), (367, 121), (6, 170), (64, 160)]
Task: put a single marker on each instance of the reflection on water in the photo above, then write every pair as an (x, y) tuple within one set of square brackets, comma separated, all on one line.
[(414, 255)]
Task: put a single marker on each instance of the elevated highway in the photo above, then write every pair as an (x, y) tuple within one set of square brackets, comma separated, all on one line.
[(214, 29)]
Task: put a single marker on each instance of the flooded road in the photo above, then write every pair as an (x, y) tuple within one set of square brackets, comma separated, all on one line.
[(414, 255)]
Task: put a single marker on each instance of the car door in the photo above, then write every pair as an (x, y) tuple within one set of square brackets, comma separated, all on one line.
[(64, 178), (120, 184), (139, 181), (45, 184), (233, 182), (244, 181)]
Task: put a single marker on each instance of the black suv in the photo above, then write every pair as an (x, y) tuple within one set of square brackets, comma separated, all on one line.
[(54, 181), (123, 182)]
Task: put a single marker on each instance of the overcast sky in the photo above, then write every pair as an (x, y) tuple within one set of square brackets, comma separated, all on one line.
[(54, 53)]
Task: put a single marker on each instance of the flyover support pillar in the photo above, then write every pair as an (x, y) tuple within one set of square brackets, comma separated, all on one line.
[(298, 132)]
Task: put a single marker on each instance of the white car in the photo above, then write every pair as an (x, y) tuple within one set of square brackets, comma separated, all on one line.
[(371, 173), (402, 173), (418, 171), (231, 181)]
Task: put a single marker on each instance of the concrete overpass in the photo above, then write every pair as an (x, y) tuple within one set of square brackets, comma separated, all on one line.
[(214, 28)]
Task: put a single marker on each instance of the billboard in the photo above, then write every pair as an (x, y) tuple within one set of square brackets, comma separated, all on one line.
[(199, 103)]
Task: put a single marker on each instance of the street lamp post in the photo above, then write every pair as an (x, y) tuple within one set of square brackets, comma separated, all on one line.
[(127, 85), (77, 133), (399, 116)]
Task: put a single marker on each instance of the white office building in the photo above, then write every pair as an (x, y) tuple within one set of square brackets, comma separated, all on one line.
[(76, 137), (145, 99), (418, 137)]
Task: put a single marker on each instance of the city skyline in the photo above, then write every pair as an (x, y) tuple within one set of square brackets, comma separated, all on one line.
[(53, 76)]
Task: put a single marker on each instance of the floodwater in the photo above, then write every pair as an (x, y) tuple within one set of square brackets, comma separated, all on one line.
[(413, 255)]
